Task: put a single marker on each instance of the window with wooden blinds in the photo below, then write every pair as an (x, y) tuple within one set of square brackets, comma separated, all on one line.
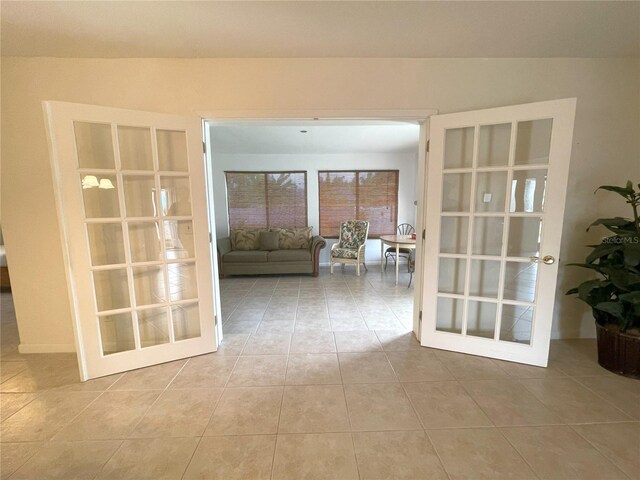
[(267, 199), (370, 195)]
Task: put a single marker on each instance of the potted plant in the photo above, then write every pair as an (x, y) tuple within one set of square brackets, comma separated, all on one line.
[(614, 297)]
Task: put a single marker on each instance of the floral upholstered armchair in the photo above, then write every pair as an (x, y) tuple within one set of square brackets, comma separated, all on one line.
[(351, 245)]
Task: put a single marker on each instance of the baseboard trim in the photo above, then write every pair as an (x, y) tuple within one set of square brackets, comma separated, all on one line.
[(47, 348)]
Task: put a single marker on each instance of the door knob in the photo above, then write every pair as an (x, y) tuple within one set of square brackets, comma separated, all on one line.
[(547, 259)]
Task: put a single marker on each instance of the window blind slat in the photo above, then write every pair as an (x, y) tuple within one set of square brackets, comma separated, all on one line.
[(267, 199), (364, 195)]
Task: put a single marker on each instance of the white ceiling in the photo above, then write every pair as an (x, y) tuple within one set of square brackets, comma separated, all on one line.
[(320, 28), (321, 137)]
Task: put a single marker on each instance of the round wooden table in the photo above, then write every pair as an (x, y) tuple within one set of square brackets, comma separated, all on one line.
[(397, 241)]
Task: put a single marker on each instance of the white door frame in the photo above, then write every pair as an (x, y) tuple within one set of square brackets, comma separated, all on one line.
[(421, 116)]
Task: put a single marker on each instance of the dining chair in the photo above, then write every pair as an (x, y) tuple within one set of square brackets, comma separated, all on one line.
[(402, 229)]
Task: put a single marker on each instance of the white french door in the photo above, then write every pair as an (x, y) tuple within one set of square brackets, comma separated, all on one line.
[(131, 198), (496, 187)]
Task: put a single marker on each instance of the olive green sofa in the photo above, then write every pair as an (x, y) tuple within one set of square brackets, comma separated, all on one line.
[(237, 258)]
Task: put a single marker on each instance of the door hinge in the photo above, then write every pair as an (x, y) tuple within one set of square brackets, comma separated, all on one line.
[(424, 233), (428, 141), (204, 147), (420, 315), (210, 238)]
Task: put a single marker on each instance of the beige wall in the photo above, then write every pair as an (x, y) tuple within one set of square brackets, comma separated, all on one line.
[(606, 142)]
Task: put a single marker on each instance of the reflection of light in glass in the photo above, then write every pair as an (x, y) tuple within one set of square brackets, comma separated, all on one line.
[(90, 181), (529, 194), (106, 184)]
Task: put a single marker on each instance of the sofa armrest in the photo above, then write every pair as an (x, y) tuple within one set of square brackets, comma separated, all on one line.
[(224, 246), (317, 244)]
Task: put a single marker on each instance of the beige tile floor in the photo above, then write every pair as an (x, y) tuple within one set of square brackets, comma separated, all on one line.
[(318, 378)]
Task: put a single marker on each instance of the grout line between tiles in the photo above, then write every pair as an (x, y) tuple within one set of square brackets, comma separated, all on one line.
[(108, 459), (575, 379), (602, 452), (158, 397), (193, 454), (435, 450)]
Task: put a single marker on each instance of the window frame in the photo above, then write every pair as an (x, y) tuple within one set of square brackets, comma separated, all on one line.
[(357, 205), (265, 173)]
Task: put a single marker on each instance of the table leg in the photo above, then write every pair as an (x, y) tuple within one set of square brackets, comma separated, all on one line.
[(381, 256), (397, 260)]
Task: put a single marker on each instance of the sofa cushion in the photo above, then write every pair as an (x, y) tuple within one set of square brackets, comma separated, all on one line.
[(244, 239), (294, 238), (245, 256), (344, 253), (269, 240), (291, 255)]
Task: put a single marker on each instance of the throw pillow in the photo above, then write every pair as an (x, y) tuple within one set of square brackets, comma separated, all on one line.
[(245, 239), (295, 238), (269, 240)]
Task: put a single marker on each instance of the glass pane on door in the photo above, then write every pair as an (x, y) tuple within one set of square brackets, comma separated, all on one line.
[(481, 319), (458, 150), (94, 145), (172, 150), (524, 237), (493, 150), (487, 235), (452, 275), (116, 333), (533, 142), (154, 327), (100, 195), (528, 189), (454, 234), (186, 321), (145, 241), (139, 195), (135, 148), (449, 315), (139, 297), (176, 196), (106, 243), (516, 324), (111, 289), (456, 192)]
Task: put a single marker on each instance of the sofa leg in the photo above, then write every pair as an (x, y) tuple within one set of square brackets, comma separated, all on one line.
[(358, 269), (365, 266), (331, 267)]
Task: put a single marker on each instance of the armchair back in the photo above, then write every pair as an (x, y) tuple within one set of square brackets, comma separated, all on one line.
[(353, 233)]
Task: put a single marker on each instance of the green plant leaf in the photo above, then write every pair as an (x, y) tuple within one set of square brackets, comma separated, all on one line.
[(624, 191), (602, 250), (611, 222), (631, 297), (623, 280), (613, 308), (595, 291), (590, 266)]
